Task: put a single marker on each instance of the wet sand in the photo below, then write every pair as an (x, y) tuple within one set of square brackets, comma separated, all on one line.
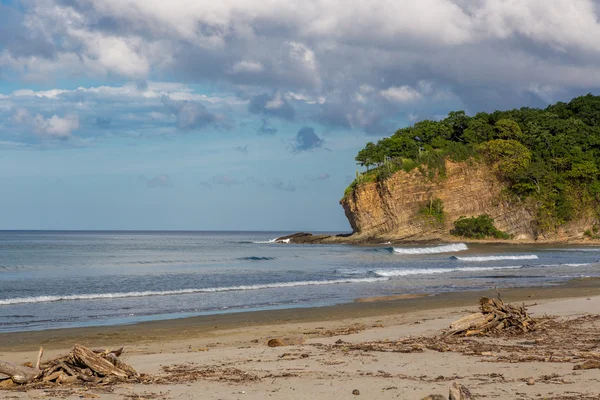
[(193, 327)]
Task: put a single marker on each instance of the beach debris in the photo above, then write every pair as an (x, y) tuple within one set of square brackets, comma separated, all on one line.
[(349, 330), (530, 382), (459, 392), (290, 341), (356, 392), (184, 373), (81, 364), (590, 364), (434, 397), (495, 316)]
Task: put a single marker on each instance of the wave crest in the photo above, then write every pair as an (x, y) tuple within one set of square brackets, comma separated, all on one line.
[(97, 296), (495, 258), (431, 271), (448, 248)]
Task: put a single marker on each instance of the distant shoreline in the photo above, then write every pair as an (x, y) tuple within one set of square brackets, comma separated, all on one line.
[(193, 327)]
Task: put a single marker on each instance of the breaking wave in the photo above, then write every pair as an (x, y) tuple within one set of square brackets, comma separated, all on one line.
[(448, 248), (96, 296), (495, 258), (276, 240), (265, 241), (432, 271)]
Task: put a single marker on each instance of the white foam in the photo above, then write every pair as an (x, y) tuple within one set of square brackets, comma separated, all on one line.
[(448, 248), (96, 296), (276, 240), (497, 258), (576, 265), (432, 271), (582, 249), (265, 241)]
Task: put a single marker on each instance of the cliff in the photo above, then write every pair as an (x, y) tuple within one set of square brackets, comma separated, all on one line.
[(389, 209)]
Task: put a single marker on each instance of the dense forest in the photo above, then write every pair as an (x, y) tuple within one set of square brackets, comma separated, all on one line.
[(549, 157)]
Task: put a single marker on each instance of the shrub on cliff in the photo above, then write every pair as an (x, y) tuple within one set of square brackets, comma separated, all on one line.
[(480, 227), (434, 209)]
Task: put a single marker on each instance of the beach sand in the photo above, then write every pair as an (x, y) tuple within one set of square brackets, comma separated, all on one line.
[(226, 356)]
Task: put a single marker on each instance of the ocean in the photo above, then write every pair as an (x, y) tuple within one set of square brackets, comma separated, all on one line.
[(73, 279)]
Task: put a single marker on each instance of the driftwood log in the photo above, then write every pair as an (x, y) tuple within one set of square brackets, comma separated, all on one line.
[(18, 373), (79, 365), (495, 316)]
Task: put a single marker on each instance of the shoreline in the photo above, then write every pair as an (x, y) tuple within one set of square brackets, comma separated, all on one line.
[(357, 239), (354, 239), (181, 329)]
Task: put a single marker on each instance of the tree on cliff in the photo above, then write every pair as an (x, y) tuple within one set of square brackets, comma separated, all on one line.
[(551, 155)]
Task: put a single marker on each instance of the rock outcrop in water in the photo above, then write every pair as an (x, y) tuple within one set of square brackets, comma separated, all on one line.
[(389, 210)]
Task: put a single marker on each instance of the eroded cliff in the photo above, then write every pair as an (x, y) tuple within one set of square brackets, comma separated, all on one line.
[(389, 209)]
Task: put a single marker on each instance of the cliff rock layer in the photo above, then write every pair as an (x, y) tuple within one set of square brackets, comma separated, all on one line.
[(390, 209)]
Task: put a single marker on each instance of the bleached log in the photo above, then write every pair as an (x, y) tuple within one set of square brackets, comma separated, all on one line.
[(18, 373), (99, 365)]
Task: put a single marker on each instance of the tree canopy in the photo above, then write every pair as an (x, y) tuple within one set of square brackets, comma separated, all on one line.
[(549, 156)]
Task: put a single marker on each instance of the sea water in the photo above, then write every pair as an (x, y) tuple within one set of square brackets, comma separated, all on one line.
[(67, 279)]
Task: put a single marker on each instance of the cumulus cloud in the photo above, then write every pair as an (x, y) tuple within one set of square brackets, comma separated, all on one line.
[(272, 105), (401, 94), (247, 66), (54, 127), (306, 140), (354, 67), (192, 115)]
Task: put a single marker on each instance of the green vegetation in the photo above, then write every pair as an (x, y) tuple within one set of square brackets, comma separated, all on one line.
[(434, 210), (549, 158), (592, 233), (480, 227)]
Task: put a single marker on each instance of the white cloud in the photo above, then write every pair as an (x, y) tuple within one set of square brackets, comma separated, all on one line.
[(54, 127), (356, 64), (401, 94), (50, 94), (246, 66)]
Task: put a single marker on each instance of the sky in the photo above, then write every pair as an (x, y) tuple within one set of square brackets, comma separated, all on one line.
[(245, 114)]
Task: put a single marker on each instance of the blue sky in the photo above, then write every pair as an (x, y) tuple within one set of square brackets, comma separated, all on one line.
[(245, 115)]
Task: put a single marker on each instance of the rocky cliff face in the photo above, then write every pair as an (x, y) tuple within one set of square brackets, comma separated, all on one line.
[(390, 209)]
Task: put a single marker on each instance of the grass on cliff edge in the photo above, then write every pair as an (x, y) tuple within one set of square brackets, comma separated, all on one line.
[(549, 157)]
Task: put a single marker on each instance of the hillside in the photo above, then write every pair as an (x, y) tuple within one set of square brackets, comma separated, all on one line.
[(534, 172)]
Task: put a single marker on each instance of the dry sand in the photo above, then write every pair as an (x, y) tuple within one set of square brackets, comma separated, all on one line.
[(233, 361)]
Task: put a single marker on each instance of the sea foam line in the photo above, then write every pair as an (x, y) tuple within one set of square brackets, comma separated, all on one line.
[(448, 248), (272, 241), (496, 258), (432, 271), (96, 296)]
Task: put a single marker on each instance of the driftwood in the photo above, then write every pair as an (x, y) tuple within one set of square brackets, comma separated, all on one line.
[(495, 316), (18, 373), (79, 365), (459, 392)]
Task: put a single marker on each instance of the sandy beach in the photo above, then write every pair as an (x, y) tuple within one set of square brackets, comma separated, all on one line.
[(343, 348)]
